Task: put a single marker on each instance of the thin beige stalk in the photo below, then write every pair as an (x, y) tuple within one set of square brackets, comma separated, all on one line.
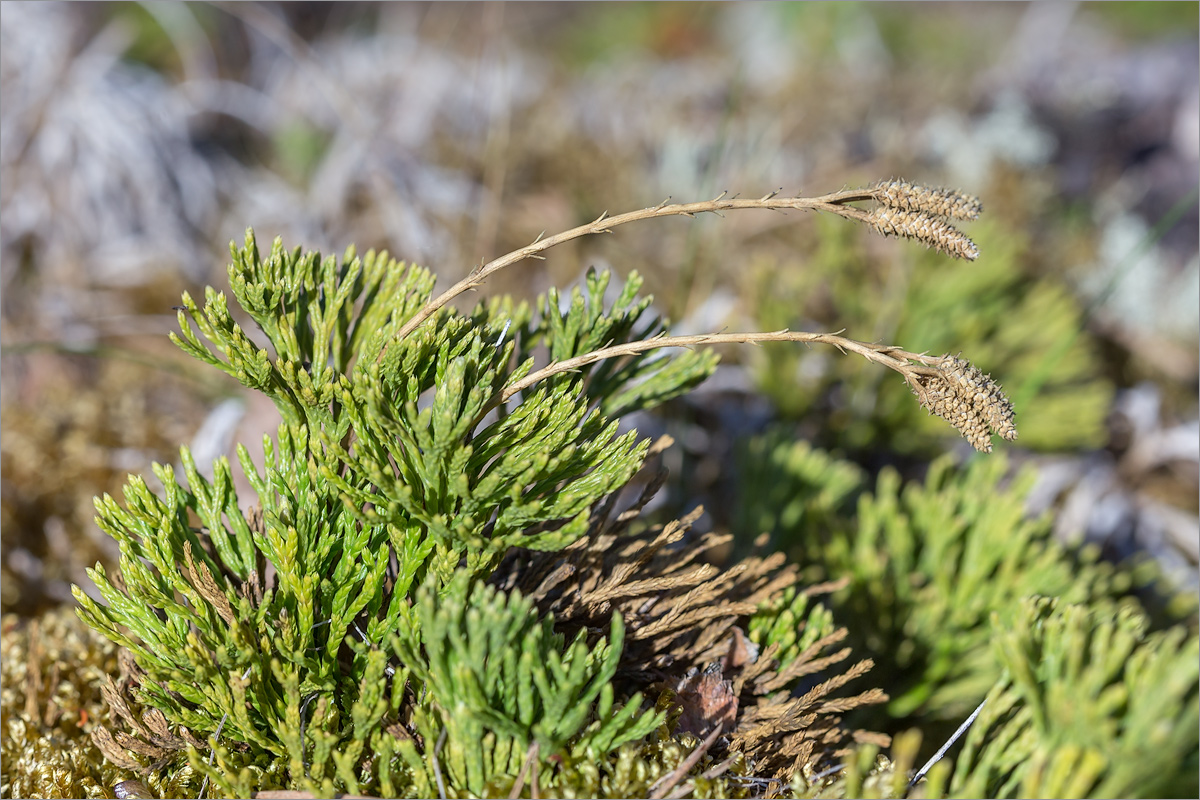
[(831, 203), (886, 355), (947, 386)]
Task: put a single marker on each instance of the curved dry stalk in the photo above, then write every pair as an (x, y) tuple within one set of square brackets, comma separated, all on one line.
[(888, 355), (950, 387), (831, 203)]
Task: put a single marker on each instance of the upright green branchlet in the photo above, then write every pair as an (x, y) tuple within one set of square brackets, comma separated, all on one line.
[(1091, 704), (962, 595), (502, 676)]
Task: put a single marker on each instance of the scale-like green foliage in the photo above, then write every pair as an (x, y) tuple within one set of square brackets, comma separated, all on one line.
[(927, 565), (793, 491), (256, 622), (337, 632), (322, 317), (618, 386), (1091, 704), (794, 623), (960, 595), (220, 645), (474, 484), (499, 679)]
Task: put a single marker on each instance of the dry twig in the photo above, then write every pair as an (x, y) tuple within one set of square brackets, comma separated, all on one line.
[(667, 782), (949, 387)]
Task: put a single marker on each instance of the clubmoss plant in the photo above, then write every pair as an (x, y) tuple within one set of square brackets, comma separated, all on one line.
[(925, 565), (965, 600), (431, 590), (1092, 703)]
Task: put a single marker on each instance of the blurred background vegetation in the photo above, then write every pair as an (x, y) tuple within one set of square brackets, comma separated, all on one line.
[(137, 140)]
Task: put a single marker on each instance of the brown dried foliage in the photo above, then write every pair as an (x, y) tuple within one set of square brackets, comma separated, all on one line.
[(685, 633), (146, 734)]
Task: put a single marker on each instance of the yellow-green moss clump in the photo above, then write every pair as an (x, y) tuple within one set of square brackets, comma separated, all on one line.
[(53, 670)]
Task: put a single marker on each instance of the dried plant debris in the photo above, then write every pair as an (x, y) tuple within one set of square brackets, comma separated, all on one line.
[(686, 630), (147, 735)]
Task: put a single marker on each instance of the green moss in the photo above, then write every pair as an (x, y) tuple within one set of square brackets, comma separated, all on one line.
[(53, 670)]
